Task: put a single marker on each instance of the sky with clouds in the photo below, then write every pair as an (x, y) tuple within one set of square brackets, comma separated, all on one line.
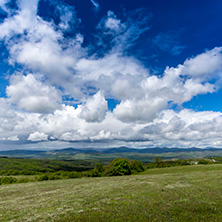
[(99, 74)]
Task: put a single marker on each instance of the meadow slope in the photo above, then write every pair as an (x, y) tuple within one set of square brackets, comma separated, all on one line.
[(187, 193)]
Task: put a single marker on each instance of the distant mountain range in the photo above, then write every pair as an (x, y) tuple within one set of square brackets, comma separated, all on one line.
[(73, 151)]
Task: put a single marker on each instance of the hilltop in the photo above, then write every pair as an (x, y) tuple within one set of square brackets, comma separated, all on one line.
[(145, 155)]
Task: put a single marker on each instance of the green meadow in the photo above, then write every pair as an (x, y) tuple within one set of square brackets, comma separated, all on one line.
[(181, 193)]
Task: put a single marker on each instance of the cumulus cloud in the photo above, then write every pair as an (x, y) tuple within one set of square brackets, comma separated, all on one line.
[(13, 138), (40, 51), (185, 125), (51, 66), (207, 65), (32, 95), (142, 100), (110, 65), (24, 19), (37, 136), (94, 110), (139, 110), (8, 117)]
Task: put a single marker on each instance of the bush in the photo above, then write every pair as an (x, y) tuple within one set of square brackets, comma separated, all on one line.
[(54, 177), (28, 172), (136, 166), (12, 172), (60, 172), (72, 174), (7, 180), (204, 162), (24, 180), (118, 167), (42, 177), (167, 163), (95, 173), (17, 172)]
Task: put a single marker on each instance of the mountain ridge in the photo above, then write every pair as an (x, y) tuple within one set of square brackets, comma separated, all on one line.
[(122, 149)]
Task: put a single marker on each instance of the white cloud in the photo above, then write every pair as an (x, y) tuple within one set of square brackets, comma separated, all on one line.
[(101, 136), (186, 126), (41, 52), (3, 5), (95, 109), (205, 66), (31, 94), (110, 65), (8, 117), (13, 138), (73, 136), (113, 23), (24, 19), (37, 136), (139, 110), (52, 66), (41, 46), (121, 34), (67, 17), (95, 4)]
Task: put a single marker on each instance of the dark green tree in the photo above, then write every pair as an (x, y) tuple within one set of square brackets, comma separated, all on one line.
[(137, 166), (99, 167), (118, 167)]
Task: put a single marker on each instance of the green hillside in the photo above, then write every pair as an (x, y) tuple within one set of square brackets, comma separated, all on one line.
[(104, 156), (45, 165), (184, 193)]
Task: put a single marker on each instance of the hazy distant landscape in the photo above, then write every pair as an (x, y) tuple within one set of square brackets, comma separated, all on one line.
[(105, 155)]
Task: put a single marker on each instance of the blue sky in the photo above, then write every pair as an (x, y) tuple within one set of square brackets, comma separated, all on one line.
[(99, 74)]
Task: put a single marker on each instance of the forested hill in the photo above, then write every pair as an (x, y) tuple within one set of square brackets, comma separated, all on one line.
[(132, 153)]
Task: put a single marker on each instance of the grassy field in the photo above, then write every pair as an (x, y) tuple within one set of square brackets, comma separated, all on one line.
[(186, 193)]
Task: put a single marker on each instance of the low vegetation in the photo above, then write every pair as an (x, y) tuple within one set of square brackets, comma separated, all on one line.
[(180, 193), (117, 167), (43, 170), (34, 166)]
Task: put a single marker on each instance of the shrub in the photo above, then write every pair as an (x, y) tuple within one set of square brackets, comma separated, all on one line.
[(136, 166), (204, 162), (118, 167), (54, 177), (7, 180), (24, 180), (99, 167), (87, 174), (42, 177), (28, 172), (95, 173), (73, 174), (3, 172), (60, 172)]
